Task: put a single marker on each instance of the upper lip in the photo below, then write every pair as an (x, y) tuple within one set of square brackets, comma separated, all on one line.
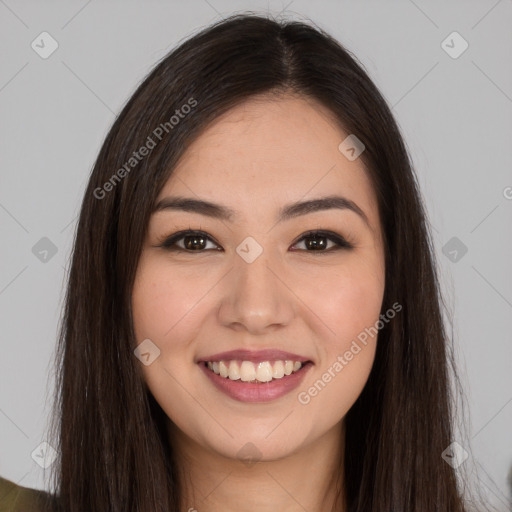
[(254, 356)]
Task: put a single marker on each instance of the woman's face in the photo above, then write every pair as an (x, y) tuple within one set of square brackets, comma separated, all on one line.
[(256, 283)]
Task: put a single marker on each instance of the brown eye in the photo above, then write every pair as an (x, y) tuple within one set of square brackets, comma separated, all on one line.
[(193, 241), (318, 241)]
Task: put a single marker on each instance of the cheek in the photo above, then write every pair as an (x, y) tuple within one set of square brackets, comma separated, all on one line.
[(347, 300), (355, 293), (163, 301), (168, 309), (164, 310), (347, 355)]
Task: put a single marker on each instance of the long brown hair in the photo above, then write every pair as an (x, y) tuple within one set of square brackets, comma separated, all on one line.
[(114, 451)]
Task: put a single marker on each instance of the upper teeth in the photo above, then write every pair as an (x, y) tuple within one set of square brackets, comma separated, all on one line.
[(248, 371)]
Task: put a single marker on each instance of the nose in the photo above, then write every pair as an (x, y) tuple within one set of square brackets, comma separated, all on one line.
[(256, 297)]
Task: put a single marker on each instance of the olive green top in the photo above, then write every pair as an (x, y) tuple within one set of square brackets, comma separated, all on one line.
[(15, 498)]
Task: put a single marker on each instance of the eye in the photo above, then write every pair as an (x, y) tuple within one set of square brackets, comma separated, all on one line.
[(197, 241), (318, 241), (193, 241)]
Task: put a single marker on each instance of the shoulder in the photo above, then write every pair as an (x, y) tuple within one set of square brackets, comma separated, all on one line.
[(15, 498)]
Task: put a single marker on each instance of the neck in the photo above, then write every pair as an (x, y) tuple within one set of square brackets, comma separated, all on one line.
[(308, 479)]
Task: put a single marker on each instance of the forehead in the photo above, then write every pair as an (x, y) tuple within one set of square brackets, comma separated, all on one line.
[(268, 152)]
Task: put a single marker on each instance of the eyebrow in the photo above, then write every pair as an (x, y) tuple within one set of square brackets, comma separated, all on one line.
[(289, 211)]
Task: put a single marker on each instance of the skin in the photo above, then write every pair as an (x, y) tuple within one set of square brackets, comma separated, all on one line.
[(256, 158)]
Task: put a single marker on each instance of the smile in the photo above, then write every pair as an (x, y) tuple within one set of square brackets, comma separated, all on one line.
[(240, 379), (248, 371)]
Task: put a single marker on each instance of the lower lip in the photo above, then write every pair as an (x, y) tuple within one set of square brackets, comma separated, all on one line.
[(257, 392)]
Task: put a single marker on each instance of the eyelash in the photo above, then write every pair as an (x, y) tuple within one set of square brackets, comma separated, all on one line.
[(169, 243)]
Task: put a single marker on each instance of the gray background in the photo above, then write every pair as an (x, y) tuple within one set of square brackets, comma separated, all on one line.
[(455, 114)]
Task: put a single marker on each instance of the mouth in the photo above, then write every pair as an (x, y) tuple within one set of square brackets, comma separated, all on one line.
[(255, 376), (247, 371)]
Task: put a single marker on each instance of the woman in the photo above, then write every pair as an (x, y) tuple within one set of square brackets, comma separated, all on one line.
[(253, 317)]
